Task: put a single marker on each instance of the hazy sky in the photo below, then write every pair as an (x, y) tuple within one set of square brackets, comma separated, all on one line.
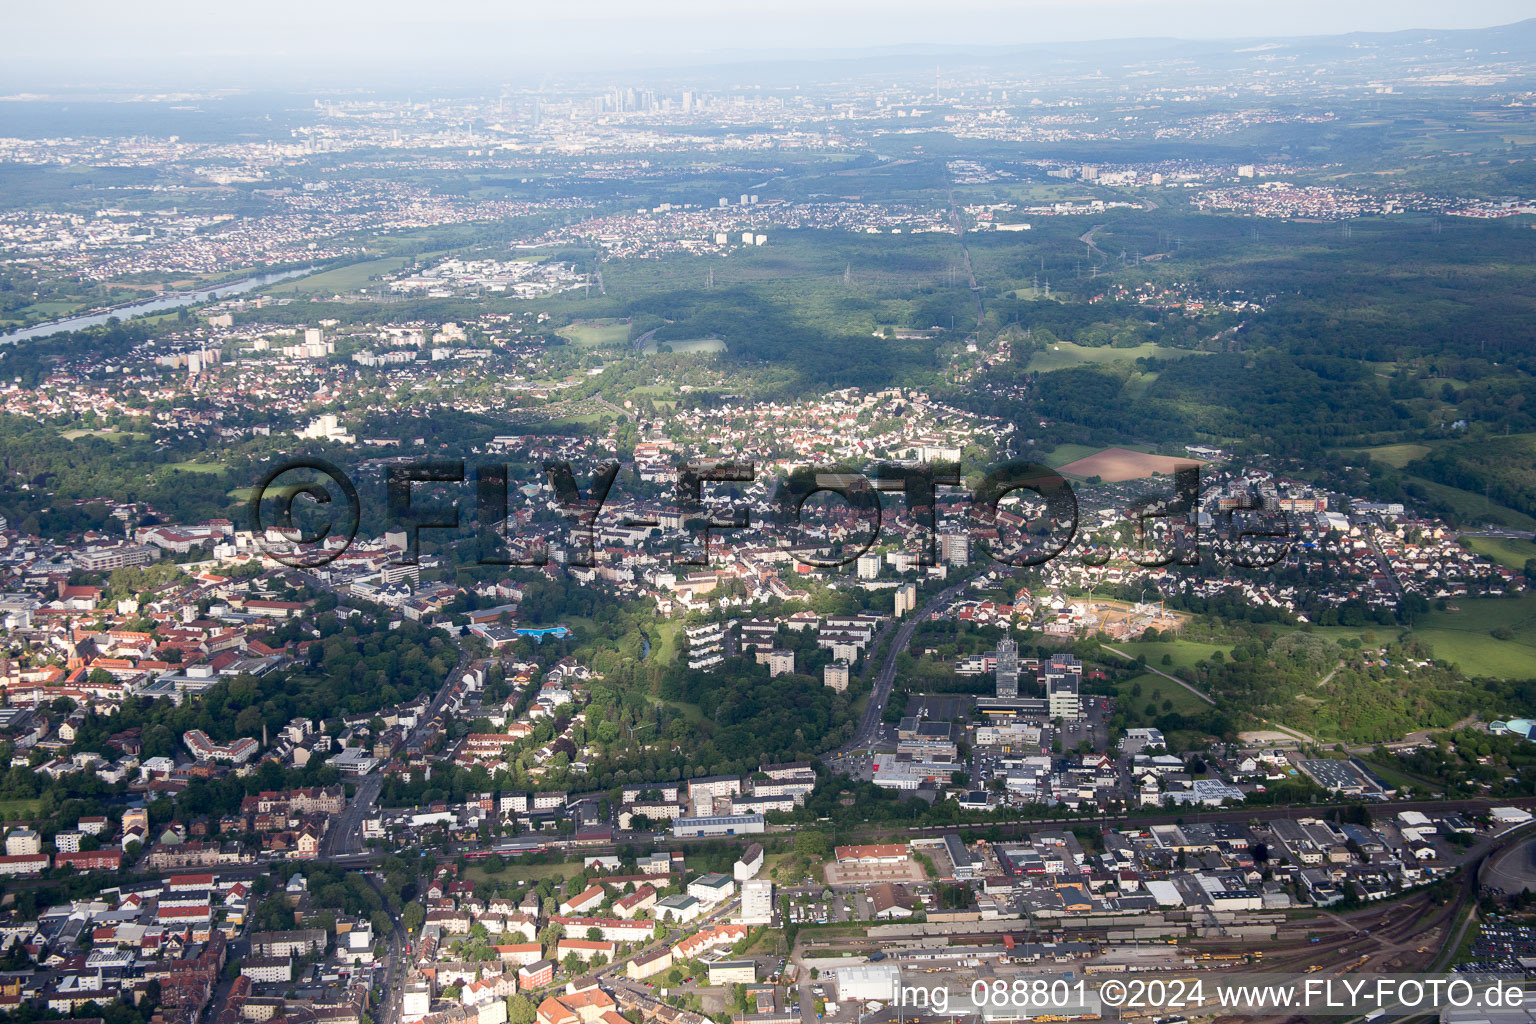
[(451, 35)]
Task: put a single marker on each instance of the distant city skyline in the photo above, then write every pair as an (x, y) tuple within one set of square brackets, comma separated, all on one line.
[(166, 39)]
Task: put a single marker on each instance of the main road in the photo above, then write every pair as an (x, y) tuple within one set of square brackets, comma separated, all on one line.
[(396, 967), (869, 725), (344, 838)]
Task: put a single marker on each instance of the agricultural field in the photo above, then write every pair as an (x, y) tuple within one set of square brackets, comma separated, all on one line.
[(1114, 465)]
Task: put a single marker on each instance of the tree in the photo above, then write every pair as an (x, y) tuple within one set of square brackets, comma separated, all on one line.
[(813, 845), (413, 916), (520, 1010), (248, 721)]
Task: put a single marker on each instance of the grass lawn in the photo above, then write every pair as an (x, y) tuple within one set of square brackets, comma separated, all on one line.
[(1029, 192), (1184, 653), (687, 346), (1065, 454), (1184, 702), (1474, 507), (1063, 354), (1464, 637), (655, 392), (341, 280), (55, 307), (51, 309), (665, 650), (691, 712), (1382, 634), (198, 467), (110, 435), (1139, 384), (517, 872), (25, 808), (243, 494), (584, 419), (1395, 455), (1509, 551), (596, 333)]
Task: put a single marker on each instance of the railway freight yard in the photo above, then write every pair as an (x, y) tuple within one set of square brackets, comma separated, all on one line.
[(938, 968)]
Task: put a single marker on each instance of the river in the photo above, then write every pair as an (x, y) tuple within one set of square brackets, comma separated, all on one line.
[(174, 300)]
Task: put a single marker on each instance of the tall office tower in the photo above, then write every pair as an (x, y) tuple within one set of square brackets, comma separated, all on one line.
[(1063, 687), (1007, 667)]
